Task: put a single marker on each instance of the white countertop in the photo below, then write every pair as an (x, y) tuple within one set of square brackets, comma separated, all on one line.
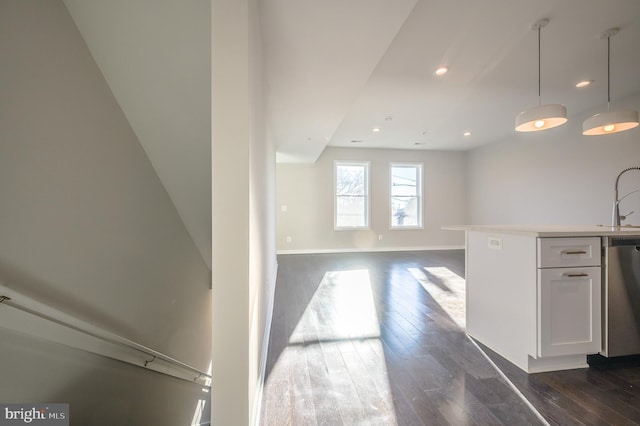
[(551, 230)]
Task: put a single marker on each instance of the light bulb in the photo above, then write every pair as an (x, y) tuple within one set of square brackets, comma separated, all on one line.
[(609, 128), (583, 83), (539, 124), (441, 70)]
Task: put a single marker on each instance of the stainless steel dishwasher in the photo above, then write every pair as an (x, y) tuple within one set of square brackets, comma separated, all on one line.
[(621, 296)]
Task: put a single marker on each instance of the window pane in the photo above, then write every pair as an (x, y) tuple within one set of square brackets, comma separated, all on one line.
[(352, 195), (404, 181), (350, 211), (404, 211), (350, 180), (406, 196)]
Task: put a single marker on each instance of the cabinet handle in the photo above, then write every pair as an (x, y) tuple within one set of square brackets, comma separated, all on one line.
[(574, 252), (576, 275)]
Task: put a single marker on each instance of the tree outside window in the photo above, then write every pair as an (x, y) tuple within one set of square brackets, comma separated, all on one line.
[(351, 195)]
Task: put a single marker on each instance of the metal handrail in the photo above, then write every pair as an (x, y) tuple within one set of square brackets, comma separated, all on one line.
[(10, 298)]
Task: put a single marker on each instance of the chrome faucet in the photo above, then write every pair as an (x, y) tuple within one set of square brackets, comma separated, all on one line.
[(616, 217)]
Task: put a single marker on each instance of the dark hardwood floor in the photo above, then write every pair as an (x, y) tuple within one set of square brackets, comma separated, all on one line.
[(378, 339)]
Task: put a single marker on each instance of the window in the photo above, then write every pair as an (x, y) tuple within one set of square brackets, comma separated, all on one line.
[(406, 195), (352, 195)]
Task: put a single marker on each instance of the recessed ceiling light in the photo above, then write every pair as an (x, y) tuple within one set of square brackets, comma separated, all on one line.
[(441, 70), (466, 134), (583, 83), (376, 129)]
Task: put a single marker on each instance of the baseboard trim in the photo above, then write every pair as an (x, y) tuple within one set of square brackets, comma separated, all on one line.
[(365, 250)]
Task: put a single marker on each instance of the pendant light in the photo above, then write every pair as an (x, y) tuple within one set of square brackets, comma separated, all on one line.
[(541, 117), (609, 122)]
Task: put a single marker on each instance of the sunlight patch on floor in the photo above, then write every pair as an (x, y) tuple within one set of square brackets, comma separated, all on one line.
[(447, 289), (341, 308), (334, 366)]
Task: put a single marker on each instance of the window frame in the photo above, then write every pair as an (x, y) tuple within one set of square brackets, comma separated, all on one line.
[(367, 194), (419, 194)]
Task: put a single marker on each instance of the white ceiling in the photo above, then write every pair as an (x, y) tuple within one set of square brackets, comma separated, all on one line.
[(336, 68)]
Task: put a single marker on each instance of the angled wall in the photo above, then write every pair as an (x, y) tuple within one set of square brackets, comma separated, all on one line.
[(155, 57), (87, 227)]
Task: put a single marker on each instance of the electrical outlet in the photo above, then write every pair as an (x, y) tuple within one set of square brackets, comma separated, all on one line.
[(380, 237), (283, 209), (289, 239), (495, 243)]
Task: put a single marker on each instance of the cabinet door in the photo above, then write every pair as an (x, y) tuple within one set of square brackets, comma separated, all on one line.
[(569, 311)]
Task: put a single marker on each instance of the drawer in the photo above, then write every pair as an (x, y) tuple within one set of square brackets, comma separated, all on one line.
[(568, 252)]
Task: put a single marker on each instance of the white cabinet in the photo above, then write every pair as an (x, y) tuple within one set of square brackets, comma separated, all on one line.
[(569, 308), (569, 311), (535, 300)]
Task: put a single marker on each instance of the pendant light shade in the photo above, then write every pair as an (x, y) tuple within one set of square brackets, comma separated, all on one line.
[(541, 117), (610, 121)]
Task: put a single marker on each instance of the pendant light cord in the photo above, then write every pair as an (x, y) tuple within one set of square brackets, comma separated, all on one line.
[(539, 68), (608, 73)]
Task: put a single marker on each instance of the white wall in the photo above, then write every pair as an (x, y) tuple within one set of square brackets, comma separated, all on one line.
[(555, 177), (244, 258), (155, 56), (87, 227), (307, 192), (262, 221)]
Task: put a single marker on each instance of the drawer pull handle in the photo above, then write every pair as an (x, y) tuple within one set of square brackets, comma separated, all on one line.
[(574, 252), (576, 275)]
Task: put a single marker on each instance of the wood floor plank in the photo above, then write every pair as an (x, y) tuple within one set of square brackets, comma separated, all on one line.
[(393, 352), (302, 407), (325, 399), (278, 411), (590, 403), (376, 403), (349, 403), (373, 361), (599, 393)]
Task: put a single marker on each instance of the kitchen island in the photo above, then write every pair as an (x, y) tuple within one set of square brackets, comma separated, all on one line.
[(534, 293)]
